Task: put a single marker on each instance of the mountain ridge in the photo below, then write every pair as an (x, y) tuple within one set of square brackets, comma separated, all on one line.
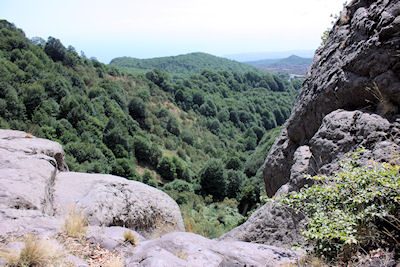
[(292, 64), (191, 63)]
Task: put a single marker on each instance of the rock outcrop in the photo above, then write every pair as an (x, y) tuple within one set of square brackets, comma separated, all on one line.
[(37, 191), (109, 200), (271, 224), (357, 68), (188, 249), (350, 98)]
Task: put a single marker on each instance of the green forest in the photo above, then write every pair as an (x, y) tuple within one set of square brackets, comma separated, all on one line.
[(201, 137), (182, 64)]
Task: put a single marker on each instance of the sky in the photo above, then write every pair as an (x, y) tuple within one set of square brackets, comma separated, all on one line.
[(106, 29)]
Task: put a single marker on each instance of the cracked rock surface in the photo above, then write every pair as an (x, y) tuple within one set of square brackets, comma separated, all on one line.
[(109, 200), (350, 98), (188, 249), (37, 191)]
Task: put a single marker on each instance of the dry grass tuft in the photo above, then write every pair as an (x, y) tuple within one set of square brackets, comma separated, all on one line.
[(130, 238), (35, 252), (75, 223), (114, 262), (384, 105)]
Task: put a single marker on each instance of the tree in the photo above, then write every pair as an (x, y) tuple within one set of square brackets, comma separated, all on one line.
[(137, 108), (249, 195), (33, 97), (173, 126), (166, 168), (148, 179), (55, 49), (142, 148), (124, 168), (213, 179), (234, 163), (235, 181)]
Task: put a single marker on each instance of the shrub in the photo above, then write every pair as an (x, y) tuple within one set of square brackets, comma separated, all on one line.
[(235, 180), (166, 168), (148, 179), (129, 237), (213, 179), (75, 223), (179, 186), (35, 252), (124, 168), (355, 209)]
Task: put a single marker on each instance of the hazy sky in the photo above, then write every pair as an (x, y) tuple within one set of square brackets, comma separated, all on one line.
[(150, 28)]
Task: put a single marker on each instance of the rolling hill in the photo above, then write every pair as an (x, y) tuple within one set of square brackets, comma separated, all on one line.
[(182, 64), (293, 64)]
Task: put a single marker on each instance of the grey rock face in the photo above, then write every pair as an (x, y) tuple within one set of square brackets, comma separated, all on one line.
[(350, 98), (28, 167), (36, 192), (271, 224), (111, 238), (357, 68), (187, 249), (109, 200)]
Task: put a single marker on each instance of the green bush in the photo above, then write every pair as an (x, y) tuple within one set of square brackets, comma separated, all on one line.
[(356, 209), (167, 169), (148, 179), (213, 179)]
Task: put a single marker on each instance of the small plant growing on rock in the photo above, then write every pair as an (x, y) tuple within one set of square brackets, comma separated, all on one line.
[(384, 105), (356, 209), (35, 252), (130, 238), (75, 223)]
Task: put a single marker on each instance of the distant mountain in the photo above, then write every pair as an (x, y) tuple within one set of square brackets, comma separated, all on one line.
[(293, 64), (182, 64), (245, 57)]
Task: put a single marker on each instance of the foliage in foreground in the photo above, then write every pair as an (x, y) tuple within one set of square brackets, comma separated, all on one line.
[(356, 209)]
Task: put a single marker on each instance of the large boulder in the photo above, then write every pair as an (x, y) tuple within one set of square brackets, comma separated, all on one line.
[(108, 200), (271, 224), (37, 191), (188, 249), (28, 167), (357, 68)]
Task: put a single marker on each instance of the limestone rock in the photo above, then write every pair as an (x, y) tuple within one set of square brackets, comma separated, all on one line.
[(188, 249), (36, 192), (111, 238), (28, 166), (108, 200), (271, 224), (350, 98), (357, 68)]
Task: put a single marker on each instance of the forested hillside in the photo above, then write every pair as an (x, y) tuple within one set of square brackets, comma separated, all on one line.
[(201, 138), (293, 65), (182, 64)]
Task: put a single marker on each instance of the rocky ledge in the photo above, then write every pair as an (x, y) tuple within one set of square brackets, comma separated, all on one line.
[(349, 99), (37, 191)]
